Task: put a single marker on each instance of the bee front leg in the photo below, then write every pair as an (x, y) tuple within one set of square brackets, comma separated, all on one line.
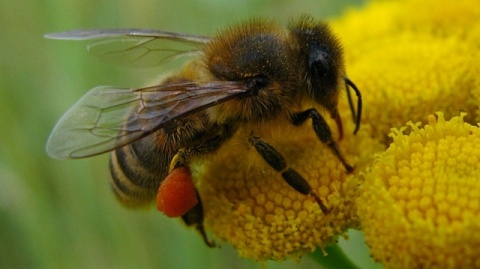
[(322, 131), (279, 164)]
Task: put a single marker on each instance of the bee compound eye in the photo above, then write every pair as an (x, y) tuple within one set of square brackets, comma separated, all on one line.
[(319, 62)]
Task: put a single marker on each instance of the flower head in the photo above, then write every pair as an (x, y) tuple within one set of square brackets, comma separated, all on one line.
[(249, 205), (420, 202), (411, 64), (420, 198)]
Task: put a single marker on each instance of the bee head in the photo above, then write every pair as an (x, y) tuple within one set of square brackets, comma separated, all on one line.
[(320, 58)]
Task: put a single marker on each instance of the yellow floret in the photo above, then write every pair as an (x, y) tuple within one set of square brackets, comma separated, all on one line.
[(419, 206), (250, 206)]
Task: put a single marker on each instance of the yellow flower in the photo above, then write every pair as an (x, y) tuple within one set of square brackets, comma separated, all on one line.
[(413, 77), (365, 30), (410, 64), (409, 59), (250, 206), (420, 203)]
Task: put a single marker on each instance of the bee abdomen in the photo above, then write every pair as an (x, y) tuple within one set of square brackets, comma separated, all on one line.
[(134, 183)]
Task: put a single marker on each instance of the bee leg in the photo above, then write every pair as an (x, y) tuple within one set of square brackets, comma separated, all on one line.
[(211, 143), (357, 116), (292, 177), (323, 132), (195, 217), (179, 159)]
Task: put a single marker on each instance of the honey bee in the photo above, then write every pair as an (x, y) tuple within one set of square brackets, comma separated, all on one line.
[(252, 74)]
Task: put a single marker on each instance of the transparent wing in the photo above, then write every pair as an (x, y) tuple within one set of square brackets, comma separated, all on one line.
[(107, 117), (136, 47)]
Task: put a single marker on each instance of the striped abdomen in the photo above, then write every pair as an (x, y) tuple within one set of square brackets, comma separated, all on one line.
[(137, 170)]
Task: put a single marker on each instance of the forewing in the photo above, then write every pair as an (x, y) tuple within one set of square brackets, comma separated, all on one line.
[(136, 47), (107, 117)]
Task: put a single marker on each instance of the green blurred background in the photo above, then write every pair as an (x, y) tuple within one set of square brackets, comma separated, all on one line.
[(61, 214)]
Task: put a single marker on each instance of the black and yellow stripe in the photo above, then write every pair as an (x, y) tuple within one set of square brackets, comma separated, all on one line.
[(137, 170)]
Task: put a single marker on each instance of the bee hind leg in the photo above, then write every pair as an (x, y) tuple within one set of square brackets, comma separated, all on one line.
[(179, 159), (211, 142), (279, 164), (195, 217)]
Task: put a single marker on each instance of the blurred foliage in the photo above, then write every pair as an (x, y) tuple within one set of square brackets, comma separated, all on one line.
[(61, 214)]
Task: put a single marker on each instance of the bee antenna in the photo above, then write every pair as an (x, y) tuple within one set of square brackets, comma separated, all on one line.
[(357, 116)]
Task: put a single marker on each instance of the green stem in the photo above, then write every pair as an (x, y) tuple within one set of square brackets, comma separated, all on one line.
[(336, 258)]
